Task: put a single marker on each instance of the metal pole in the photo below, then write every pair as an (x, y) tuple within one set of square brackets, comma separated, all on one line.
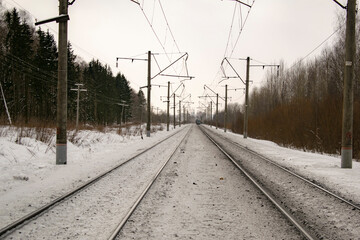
[(61, 148), (348, 98), (217, 113), (174, 113), (184, 114), (225, 116), (179, 113), (168, 108), (148, 125), (246, 97), (77, 107), (211, 116)]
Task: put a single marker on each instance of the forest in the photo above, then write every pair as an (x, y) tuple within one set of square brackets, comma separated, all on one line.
[(301, 106), (28, 77)]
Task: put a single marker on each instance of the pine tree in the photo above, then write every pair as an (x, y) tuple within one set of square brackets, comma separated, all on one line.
[(45, 82), (18, 55)]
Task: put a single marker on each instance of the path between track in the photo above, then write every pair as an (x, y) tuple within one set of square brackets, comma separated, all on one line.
[(201, 195)]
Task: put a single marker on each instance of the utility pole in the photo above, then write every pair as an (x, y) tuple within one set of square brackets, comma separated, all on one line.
[(78, 101), (61, 147), (246, 96), (225, 116), (184, 113), (61, 109), (149, 96), (174, 112), (6, 108), (179, 113), (168, 108), (217, 112), (123, 105), (211, 116), (348, 98)]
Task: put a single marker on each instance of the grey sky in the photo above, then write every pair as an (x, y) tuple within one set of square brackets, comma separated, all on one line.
[(275, 30)]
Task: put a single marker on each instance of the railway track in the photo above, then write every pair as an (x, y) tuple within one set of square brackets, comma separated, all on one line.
[(26, 220), (142, 195), (201, 195), (317, 212)]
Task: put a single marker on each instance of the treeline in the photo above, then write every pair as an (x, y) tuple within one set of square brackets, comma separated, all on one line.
[(301, 106), (28, 76)]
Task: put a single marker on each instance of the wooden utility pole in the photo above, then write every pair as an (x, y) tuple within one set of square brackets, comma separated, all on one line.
[(225, 116), (168, 109), (148, 124), (78, 101), (61, 123), (348, 95), (246, 97)]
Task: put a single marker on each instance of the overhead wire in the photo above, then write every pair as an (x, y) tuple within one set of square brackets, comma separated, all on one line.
[(167, 23), (241, 29), (141, 6), (317, 47)]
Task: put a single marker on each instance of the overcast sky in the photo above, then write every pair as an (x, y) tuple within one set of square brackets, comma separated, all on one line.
[(275, 30)]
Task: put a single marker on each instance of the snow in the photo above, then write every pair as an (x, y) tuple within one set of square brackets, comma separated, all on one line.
[(30, 178), (324, 169)]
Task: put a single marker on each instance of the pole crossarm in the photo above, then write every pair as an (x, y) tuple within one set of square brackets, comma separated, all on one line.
[(213, 92), (122, 104), (265, 65), (185, 54), (243, 3), (189, 95), (157, 85), (222, 68), (342, 6), (135, 2), (181, 84), (60, 18), (132, 59), (208, 96), (235, 89), (178, 76)]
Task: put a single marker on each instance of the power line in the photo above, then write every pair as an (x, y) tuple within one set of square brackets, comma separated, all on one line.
[(242, 25), (167, 23), (242, 28), (231, 26), (298, 62)]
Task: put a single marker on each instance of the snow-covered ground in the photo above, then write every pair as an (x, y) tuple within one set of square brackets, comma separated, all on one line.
[(29, 176), (322, 168)]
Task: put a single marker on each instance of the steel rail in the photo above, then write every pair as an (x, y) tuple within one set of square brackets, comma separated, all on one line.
[(289, 216), (293, 173), (142, 195), (7, 229)]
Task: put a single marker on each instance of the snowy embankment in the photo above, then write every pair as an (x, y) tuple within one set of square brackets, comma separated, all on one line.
[(29, 176), (322, 168)]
